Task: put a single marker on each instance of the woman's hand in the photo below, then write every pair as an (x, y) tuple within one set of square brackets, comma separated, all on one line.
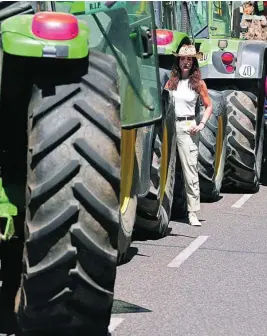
[(263, 21), (195, 129)]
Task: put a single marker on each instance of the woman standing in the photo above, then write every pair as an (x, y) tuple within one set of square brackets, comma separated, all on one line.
[(185, 85)]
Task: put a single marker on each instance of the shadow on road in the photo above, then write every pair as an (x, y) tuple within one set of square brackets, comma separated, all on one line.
[(144, 236), (123, 307), (185, 221), (206, 202), (8, 324), (132, 251)]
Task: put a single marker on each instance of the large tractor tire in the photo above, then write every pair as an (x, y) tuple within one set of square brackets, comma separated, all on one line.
[(73, 207), (154, 210), (245, 139), (212, 149)]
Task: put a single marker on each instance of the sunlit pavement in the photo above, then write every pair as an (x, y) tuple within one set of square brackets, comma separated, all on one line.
[(206, 281)]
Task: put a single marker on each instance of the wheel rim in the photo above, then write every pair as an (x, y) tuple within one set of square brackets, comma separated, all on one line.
[(219, 145), (163, 163), (127, 167)]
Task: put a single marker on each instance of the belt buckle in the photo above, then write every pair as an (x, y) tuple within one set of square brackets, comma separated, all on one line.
[(188, 122)]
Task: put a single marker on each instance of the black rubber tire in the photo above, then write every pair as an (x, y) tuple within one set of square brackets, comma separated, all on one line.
[(179, 205), (153, 216), (245, 137), (264, 159), (210, 180), (72, 215)]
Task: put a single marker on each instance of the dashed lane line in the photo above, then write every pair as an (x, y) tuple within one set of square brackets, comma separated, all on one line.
[(188, 251), (114, 323), (241, 201)]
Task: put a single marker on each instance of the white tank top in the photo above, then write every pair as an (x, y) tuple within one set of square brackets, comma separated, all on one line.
[(185, 99)]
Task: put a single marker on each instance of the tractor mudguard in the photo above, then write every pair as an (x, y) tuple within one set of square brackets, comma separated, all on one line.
[(18, 39), (250, 59), (147, 138)]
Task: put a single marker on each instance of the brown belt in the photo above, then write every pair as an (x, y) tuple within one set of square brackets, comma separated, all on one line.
[(184, 118)]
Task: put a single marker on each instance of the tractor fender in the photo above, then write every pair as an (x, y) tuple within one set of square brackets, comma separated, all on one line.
[(147, 138), (251, 53)]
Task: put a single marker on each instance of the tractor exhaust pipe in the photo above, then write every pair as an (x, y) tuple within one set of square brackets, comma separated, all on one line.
[(186, 20)]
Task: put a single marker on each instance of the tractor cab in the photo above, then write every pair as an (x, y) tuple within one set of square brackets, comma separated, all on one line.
[(203, 19)]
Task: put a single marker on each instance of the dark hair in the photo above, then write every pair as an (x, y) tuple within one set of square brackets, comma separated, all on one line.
[(194, 76)]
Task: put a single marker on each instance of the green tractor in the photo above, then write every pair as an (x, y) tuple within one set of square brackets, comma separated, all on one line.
[(231, 146), (87, 142)]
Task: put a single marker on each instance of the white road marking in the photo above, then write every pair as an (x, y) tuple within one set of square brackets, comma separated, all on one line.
[(241, 201), (114, 323), (188, 251)]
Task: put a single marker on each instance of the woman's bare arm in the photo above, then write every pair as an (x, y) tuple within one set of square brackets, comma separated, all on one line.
[(167, 85), (204, 95)]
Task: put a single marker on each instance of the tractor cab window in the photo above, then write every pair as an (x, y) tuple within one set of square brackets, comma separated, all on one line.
[(138, 10), (199, 18), (73, 7), (221, 19)]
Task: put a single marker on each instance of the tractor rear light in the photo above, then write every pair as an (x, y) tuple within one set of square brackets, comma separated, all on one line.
[(230, 68), (55, 26), (227, 58), (164, 36)]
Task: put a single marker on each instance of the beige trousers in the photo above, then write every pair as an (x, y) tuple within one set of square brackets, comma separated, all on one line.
[(188, 151)]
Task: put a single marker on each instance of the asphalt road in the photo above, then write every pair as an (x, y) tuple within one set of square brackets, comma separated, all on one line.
[(218, 285), (207, 281)]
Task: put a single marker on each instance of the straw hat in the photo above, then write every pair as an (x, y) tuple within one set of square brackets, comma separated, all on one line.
[(245, 2), (189, 51)]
